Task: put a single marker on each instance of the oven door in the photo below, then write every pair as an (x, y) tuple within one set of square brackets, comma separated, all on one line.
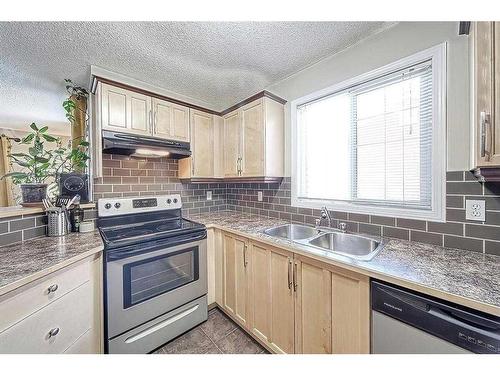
[(150, 279)]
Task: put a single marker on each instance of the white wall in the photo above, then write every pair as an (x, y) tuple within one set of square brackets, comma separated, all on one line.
[(385, 47)]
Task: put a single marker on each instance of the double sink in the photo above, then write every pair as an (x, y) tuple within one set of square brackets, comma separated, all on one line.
[(329, 240)]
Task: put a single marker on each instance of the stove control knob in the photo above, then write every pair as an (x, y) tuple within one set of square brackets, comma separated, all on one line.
[(169, 201), (107, 206), (118, 205), (175, 200)]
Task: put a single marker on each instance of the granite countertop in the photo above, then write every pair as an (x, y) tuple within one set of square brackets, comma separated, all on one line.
[(29, 260), (472, 277)]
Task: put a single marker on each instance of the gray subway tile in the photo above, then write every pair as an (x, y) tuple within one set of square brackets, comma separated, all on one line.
[(448, 228), (375, 230), (383, 220), (360, 218), (469, 176), (16, 225), (411, 224), (4, 227), (41, 220), (339, 215), (463, 243), (455, 215), (493, 218), (482, 231), (470, 187), (491, 247), (455, 176), (403, 234), (10, 238), (34, 232), (426, 237), (455, 201)]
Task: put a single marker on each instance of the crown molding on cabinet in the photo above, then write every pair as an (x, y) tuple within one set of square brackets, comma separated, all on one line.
[(267, 94)]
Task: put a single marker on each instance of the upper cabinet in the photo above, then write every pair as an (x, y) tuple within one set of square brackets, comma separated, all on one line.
[(125, 111), (206, 143), (135, 113), (486, 97), (253, 140)]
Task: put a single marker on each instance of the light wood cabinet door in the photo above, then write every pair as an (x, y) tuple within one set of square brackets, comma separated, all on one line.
[(350, 313), (253, 140), (486, 92), (232, 131), (313, 307), (170, 120), (235, 274), (125, 111), (272, 297), (202, 144)]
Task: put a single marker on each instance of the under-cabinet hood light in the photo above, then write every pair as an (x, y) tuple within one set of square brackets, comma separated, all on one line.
[(149, 153)]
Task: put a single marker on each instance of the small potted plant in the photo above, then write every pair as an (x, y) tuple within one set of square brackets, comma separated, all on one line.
[(36, 165)]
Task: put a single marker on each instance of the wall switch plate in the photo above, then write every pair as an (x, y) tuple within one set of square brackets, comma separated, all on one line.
[(259, 196), (209, 195), (475, 210)]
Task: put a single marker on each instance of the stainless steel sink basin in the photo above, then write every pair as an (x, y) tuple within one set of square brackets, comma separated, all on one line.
[(352, 245), (292, 231)]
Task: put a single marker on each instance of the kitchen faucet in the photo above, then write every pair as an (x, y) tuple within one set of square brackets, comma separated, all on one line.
[(325, 215)]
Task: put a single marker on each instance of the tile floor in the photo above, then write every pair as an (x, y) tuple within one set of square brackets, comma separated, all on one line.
[(218, 335)]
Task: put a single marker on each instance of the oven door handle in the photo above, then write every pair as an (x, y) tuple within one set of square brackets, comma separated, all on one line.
[(165, 244)]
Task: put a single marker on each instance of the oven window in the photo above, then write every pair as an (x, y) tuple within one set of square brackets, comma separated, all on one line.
[(151, 277)]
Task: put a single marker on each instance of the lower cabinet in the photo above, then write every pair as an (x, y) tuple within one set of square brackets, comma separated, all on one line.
[(235, 277), (60, 313), (292, 303)]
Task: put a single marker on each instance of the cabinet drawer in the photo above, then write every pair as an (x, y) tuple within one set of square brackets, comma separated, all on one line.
[(17, 305), (70, 314), (85, 344)]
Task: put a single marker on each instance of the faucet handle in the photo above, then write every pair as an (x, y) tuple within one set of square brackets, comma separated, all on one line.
[(342, 226), (318, 223)]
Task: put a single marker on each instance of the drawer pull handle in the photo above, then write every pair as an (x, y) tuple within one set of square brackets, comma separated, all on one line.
[(53, 332), (52, 288)]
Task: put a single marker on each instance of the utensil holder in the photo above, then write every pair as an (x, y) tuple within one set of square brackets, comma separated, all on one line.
[(57, 223)]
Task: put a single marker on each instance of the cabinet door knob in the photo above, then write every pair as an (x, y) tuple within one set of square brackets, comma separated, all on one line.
[(53, 332), (52, 288)]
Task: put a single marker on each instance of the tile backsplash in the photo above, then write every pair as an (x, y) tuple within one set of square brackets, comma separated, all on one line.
[(124, 176), (456, 232)]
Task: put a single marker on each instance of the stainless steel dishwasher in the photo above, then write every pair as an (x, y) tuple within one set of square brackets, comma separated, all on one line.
[(406, 322)]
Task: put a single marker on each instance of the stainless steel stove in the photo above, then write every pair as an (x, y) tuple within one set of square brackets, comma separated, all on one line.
[(155, 272)]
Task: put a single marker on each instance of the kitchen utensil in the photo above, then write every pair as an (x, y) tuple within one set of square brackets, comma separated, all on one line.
[(73, 200), (58, 222)]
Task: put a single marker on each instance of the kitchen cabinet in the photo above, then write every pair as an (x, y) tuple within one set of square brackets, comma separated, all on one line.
[(254, 140), (170, 120), (292, 303), (235, 277), (125, 111), (271, 297), (486, 98), (206, 144), (131, 112), (59, 313)]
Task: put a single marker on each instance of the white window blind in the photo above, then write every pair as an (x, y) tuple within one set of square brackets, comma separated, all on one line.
[(370, 143)]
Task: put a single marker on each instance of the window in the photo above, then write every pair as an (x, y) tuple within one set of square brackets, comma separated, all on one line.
[(375, 144)]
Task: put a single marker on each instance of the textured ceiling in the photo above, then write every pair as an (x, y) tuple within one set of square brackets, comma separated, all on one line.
[(218, 63)]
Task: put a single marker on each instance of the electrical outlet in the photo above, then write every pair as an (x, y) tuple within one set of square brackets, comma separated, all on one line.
[(475, 210), (209, 195), (259, 196)]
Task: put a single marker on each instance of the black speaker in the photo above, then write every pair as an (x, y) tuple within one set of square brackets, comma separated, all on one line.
[(71, 184)]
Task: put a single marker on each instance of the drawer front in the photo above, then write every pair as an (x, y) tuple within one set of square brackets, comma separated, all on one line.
[(17, 305), (159, 331), (86, 344), (70, 314)]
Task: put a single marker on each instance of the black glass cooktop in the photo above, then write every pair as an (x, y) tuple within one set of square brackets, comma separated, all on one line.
[(146, 231)]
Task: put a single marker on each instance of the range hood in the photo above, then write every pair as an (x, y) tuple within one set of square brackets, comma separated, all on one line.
[(141, 146)]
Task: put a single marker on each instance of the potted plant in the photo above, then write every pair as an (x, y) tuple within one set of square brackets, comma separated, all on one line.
[(36, 165)]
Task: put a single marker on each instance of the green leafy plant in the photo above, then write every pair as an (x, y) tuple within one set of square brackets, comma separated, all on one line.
[(38, 163), (69, 104)]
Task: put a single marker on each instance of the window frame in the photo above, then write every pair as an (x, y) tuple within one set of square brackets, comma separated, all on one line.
[(437, 55)]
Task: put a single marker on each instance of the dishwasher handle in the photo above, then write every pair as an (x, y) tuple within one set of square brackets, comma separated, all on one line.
[(465, 320)]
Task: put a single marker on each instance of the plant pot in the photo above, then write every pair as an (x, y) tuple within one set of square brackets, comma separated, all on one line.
[(33, 193)]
